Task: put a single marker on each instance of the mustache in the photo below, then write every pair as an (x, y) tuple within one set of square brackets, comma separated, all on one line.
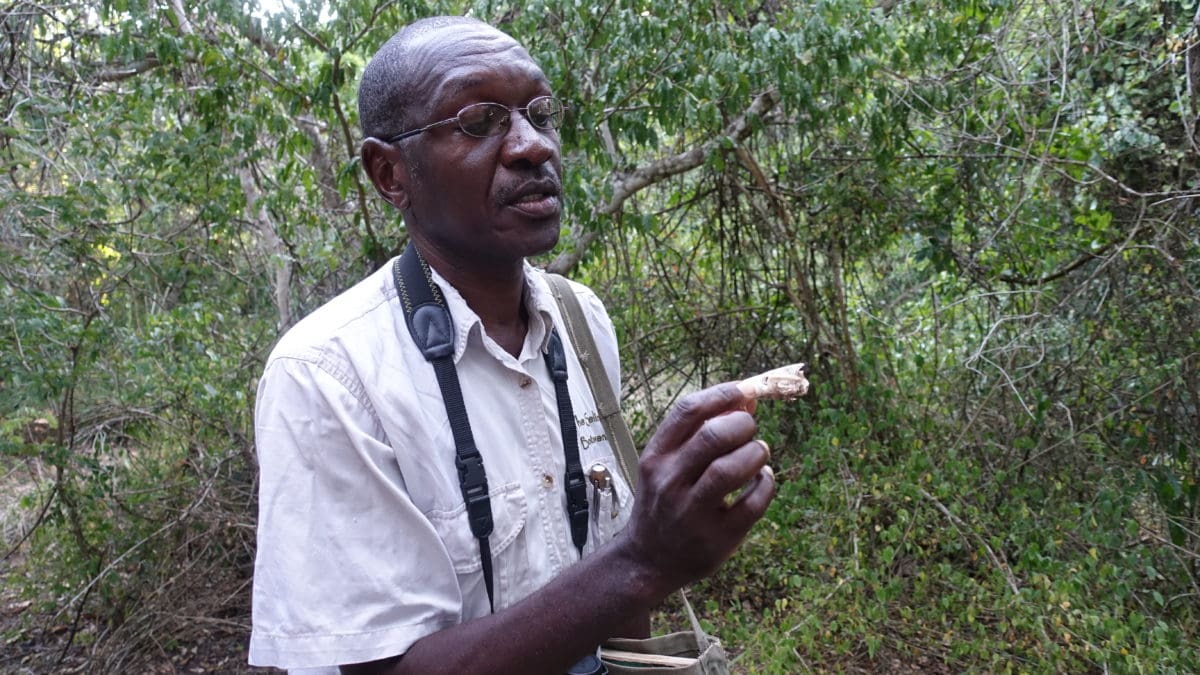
[(541, 180)]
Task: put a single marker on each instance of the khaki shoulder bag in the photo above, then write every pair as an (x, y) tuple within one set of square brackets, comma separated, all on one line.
[(685, 652)]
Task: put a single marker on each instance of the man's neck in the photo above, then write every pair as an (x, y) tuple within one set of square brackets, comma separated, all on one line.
[(495, 293)]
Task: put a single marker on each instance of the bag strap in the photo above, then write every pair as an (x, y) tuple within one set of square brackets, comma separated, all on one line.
[(606, 403), (432, 329), (589, 358)]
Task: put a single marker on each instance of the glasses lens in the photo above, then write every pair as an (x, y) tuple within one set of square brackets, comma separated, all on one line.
[(483, 119), (545, 112)]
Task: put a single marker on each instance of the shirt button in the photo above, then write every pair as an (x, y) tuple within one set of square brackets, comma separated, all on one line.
[(547, 480), (525, 381)]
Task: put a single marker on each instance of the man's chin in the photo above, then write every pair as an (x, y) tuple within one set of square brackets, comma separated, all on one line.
[(546, 245), (535, 235)]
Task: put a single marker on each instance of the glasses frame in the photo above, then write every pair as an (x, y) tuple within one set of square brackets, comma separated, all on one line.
[(457, 119)]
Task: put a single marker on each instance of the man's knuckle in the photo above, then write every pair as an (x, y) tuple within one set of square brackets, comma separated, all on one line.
[(720, 474), (710, 435), (687, 407), (654, 479)]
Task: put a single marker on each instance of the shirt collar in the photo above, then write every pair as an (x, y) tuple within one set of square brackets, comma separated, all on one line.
[(467, 325)]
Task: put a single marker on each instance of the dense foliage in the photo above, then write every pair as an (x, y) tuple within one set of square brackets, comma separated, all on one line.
[(979, 220)]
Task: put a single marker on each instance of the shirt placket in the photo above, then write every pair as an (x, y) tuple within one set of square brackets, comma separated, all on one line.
[(543, 464)]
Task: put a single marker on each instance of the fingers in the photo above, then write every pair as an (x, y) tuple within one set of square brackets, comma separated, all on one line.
[(715, 439), (732, 471), (703, 452), (691, 412), (754, 500)]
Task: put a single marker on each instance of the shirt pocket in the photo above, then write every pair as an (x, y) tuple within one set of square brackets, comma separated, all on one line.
[(509, 515)]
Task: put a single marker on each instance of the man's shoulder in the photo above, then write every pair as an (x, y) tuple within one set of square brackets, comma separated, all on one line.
[(353, 319), (594, 313), (587, 297)]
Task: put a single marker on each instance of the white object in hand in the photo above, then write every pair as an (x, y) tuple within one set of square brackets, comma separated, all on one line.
[(787, 383)]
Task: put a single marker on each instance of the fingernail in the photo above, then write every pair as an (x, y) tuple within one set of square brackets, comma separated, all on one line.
[(769, 470), (767, 448)]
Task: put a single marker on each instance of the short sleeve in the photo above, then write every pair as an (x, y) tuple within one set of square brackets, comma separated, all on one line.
[(332, 584)]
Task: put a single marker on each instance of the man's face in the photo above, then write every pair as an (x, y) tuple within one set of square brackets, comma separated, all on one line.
[(480, 201)]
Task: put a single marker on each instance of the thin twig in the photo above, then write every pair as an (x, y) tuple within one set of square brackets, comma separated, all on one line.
[(959, 525)]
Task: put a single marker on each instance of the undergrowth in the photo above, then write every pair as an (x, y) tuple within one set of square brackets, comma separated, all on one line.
[(915, 559)]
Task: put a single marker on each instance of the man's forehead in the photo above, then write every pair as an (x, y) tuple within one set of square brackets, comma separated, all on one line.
[(461, 43), (465, 78), (453, 62)]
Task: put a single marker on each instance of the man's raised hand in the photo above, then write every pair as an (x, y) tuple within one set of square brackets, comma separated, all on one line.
[(704, 482)]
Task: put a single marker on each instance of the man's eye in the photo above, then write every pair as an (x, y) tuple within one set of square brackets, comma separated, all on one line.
[(544, 112), (484, 118)]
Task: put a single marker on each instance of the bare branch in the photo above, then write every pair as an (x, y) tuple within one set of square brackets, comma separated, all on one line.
[(959, 526), (118, 73), (185, 25), (567, 260), (642, 177), (625, 185)]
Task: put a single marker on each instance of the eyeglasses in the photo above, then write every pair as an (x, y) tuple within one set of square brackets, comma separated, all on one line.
[(493, 119)]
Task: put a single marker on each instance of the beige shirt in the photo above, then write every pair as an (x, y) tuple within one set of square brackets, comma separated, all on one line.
[(363, 540)]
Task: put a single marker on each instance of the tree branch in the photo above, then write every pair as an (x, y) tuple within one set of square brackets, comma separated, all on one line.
[(118, 73), (276, 252), (185, 25), (625, 185), (564, 262), (326, 178), (738, 130)]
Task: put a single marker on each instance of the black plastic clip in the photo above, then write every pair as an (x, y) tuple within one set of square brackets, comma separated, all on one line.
[(473, 480)]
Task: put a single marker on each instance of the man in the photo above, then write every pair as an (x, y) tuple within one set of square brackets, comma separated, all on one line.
[(365, 556)]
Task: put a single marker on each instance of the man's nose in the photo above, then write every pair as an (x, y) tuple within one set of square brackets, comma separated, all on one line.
[(526, 143)]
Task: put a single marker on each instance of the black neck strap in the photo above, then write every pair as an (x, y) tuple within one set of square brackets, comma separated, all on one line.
[(432, 330)]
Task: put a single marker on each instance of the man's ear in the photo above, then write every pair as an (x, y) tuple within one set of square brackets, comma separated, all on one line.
[(385, 165)]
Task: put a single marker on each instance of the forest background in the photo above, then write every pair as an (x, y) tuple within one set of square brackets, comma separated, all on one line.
[(976, 219)]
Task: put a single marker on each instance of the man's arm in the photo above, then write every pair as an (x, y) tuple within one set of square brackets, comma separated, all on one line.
[(681, 530), (638, 627)]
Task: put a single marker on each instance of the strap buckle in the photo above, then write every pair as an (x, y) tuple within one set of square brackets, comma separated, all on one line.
[(473, 480), (577, 506)]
